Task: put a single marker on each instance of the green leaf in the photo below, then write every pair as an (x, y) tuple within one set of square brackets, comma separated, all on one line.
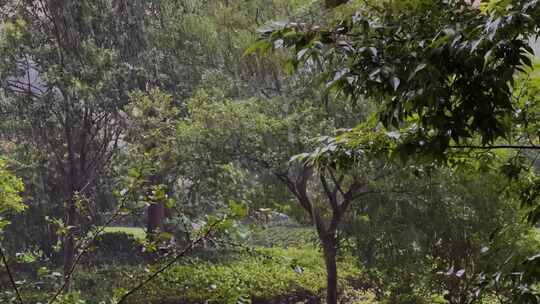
[(238, 209), (261, 46)]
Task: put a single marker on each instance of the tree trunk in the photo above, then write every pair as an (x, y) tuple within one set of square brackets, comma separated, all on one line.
[(330, 253), (69, 245), (71, 212), (69, 255), (156, 214)]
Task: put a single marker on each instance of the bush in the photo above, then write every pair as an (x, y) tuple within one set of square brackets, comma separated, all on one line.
[(264, 276), (280, 236), (116, 248)]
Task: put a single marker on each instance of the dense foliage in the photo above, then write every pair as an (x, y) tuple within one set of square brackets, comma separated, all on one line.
[(269, 151)]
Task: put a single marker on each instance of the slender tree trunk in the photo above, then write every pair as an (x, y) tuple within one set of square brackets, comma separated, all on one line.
[(156, 210), (71, 212), (69, 245), (69, 255), (330, 253), (156, 214)]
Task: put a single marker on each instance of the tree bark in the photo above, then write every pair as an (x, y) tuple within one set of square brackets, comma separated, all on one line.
[(69, 255), (71, 212), (156, 214), (69, 245), (330, 253), (156, 210)]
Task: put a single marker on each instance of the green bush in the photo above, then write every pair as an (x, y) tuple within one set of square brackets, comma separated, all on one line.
[(280, 236), (116, 248), (263, 275), (136, 232)]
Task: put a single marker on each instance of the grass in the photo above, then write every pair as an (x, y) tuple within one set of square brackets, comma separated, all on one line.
[(285, 237), (291, 271), (265, 274), (136, 232), (285, 266)]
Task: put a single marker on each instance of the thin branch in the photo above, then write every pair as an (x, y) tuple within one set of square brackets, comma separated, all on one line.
[(83, 247), (169, 264), (298, 187), (520, 147), (337, 181), (10, 275), (284, 178), (350, 194), (330, 194)]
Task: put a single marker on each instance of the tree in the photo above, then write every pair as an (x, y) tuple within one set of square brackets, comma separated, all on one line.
[(10, 202), (441, 72), (344, 178), (67, 69), (260, 137), (444, 224), (152, 122), (65, 79), (10, 193), (198, 45)]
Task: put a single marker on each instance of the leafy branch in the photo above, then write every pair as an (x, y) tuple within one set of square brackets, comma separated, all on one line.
[(211, 228)]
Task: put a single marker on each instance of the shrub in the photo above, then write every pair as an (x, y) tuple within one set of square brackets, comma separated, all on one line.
[(284, 237), (115, 248), (262, 276), (266, 275)]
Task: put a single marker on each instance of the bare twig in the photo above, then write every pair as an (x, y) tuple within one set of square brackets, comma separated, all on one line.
[(168, 264), (10, 275), (84, 247), (82, 251), (519, 147)]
